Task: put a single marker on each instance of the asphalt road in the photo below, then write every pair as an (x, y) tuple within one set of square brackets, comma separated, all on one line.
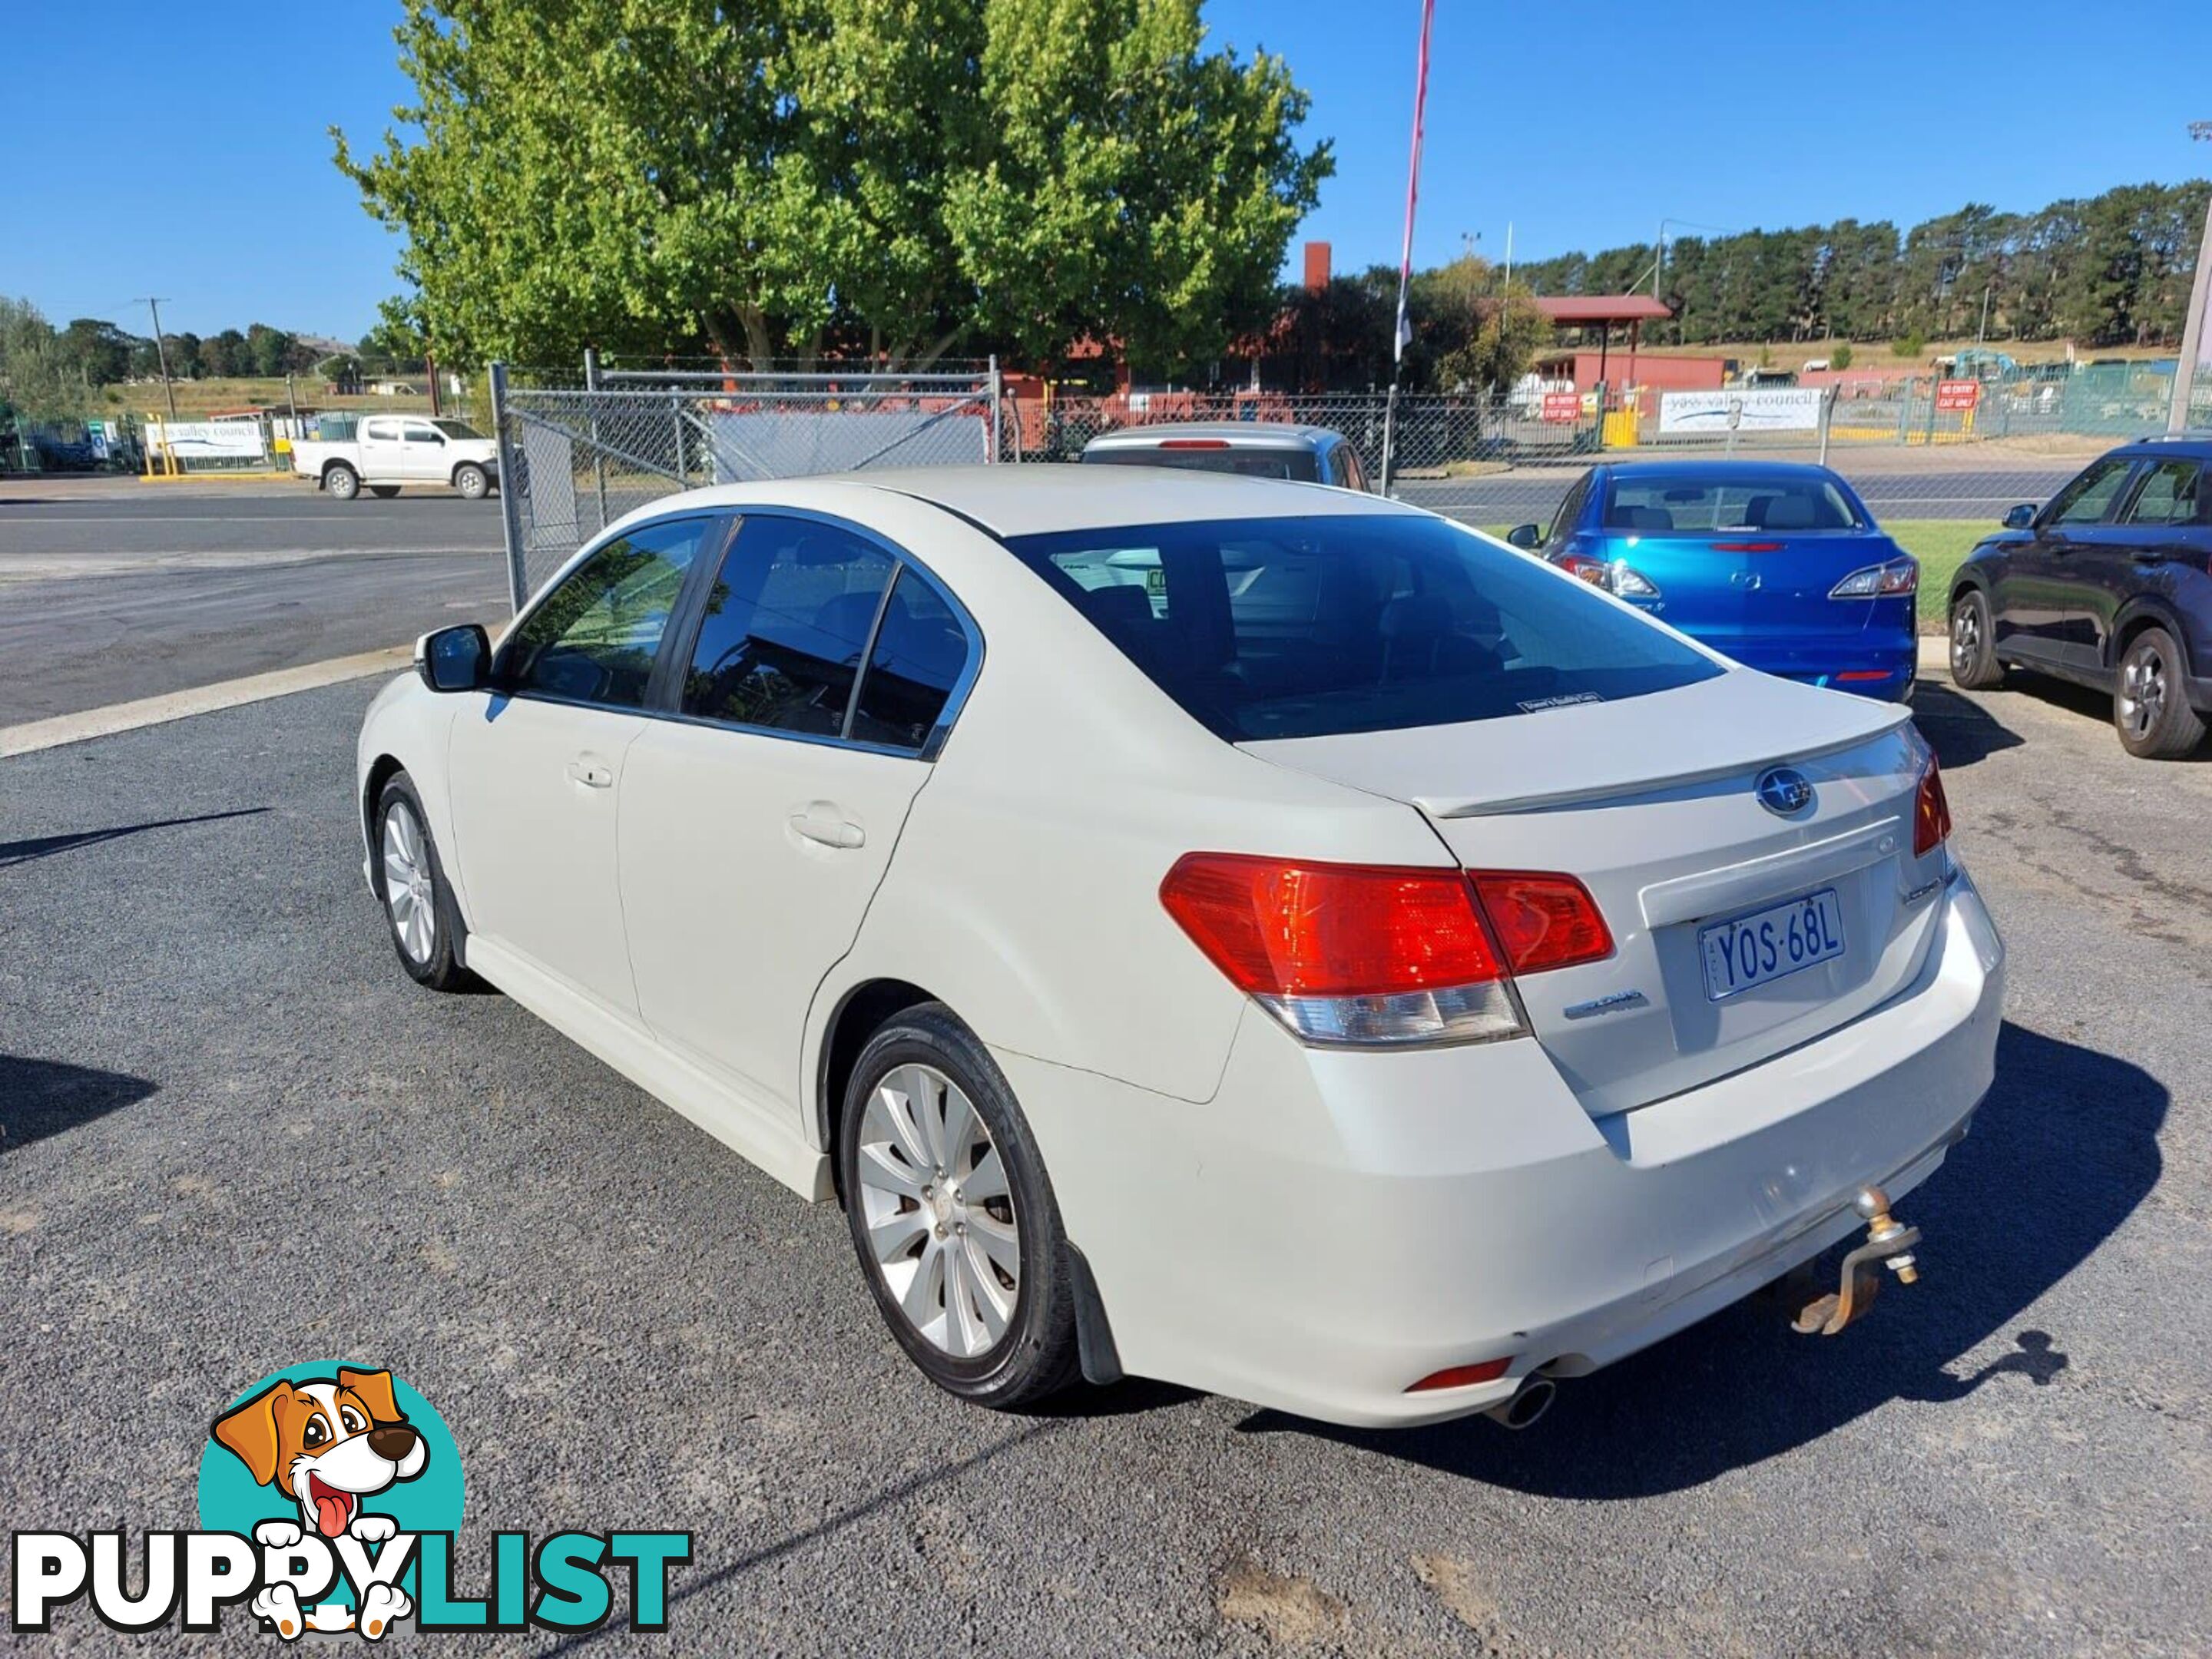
[(238, 1137), (130, 590), (1531, 494)]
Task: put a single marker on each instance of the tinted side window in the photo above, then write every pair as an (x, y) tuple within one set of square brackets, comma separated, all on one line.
[(918, 658), (2090, 497), (417, 432), (1569, 513), (785, 625), (594, 638), (2171, 495)]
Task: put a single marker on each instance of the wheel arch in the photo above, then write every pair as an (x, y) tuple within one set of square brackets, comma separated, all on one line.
[(859, 1013), (338, 464), (381, 771), (454, 472), (2140, 614)]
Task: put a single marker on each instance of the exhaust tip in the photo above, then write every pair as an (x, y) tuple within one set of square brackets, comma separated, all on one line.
[(1522, 1410)]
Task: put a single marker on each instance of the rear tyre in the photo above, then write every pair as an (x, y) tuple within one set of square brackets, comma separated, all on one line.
[(410, 884), (1974, 663), (342, 482), (471, 480), (955, 1224), (384, 492), (2150, 704)]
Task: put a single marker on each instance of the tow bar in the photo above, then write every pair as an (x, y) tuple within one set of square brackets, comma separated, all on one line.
[(1888, 1244)]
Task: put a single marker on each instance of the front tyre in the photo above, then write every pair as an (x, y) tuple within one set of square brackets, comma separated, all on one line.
[(2150, 705), (342, 482), (1974, 663), (955, 1224), (410, 884), (472, 481)]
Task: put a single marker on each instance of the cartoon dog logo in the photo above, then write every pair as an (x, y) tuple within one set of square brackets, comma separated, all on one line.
[(327, 1443)]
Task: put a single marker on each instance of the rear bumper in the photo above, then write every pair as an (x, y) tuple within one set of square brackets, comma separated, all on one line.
[(1868, 668), (1332, 1227)]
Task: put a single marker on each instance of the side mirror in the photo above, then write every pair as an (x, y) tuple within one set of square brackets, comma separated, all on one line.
[(1527, 536), (454, 659), (2021, 517)]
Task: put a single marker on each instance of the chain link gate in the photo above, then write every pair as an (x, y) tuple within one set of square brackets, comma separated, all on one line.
[(573, 459)]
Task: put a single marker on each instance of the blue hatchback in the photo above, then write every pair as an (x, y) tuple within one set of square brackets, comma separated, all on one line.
[(1776, 564)]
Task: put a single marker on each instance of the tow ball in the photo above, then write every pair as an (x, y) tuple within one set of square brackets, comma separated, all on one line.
[(1888, 1244)]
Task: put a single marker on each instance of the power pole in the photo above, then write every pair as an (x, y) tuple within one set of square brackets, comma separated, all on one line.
[(161, 356), (2197, 330)]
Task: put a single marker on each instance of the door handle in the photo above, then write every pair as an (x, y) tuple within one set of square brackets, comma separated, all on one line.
[(823, 825), (591, 774)]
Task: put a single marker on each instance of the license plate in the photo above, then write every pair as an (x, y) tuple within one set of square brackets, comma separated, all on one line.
[(1770, 944)]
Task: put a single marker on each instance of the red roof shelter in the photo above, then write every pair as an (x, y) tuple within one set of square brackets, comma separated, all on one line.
[(1603, 311)]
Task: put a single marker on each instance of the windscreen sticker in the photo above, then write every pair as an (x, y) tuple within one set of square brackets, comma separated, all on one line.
[(1561, 701)]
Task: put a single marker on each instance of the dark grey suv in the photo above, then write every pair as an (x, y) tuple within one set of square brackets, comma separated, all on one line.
[(2109, 585)]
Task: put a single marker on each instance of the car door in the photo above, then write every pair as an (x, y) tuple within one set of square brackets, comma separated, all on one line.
[(2042, 609), (2161, 529), (535, 765), (757, 822), (383, 455), (422, 453)]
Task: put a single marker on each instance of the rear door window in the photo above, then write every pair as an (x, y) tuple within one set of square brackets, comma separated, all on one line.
[(785, 625), (1311, 627), (2169, 495)]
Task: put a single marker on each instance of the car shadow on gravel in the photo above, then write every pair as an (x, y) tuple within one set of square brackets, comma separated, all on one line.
[(2094, 707), (41, 1098), (1959, 730), (42, 847), (2062, 1152)]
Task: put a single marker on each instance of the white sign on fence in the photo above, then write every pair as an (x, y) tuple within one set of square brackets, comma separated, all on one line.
[(195, 441), (1778, 409)]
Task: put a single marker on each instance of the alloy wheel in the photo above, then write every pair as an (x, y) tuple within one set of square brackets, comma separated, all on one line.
[(2142, 690), (1966, 640), (410, 891), (939, 1214)]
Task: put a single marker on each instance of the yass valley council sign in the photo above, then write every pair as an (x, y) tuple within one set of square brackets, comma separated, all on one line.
[(1776, 409)]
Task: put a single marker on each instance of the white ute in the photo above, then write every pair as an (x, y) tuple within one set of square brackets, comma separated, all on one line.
[(389, 452)]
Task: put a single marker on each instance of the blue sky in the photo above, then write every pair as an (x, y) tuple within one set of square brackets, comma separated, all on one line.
[(183, 153)]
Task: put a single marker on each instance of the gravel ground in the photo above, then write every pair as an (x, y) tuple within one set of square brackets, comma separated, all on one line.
[(237, 1137)]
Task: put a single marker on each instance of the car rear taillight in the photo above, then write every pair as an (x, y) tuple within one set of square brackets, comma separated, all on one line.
[(1931, 812), (1747, 547), (1379, 955), (1615, 578), (1193, 443), (1901, 575), (1543, 921)]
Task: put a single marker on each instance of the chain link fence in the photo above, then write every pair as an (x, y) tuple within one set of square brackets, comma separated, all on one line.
[(1937, 460), (575, 457)]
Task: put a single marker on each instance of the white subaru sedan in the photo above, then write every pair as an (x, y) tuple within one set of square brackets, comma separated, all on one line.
[(1243, 933)]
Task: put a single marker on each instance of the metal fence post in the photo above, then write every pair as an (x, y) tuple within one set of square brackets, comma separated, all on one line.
[(998, 436), (1827, 420), (599, 456), (1389, 437), (510, 489), (675, 423)]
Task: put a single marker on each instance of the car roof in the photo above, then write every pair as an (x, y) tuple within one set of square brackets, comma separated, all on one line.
[(1241, 435), (2193, 446), (1046, 497), (1701, 466)]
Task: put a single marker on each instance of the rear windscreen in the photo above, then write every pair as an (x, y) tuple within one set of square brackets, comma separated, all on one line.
[(1656, 504), (1310, 627), (1297, 464)]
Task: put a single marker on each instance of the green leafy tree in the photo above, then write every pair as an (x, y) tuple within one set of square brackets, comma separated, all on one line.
[(1841, 357), (1508, 329), (396, 341), (38, 376), (895, 176), (1909, 346), (270, 351), (100, 350)]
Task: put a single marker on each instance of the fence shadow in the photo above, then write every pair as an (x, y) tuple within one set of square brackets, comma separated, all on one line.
[(2062, 1152), (1959, 729), (40, 846), (42, 1098)]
